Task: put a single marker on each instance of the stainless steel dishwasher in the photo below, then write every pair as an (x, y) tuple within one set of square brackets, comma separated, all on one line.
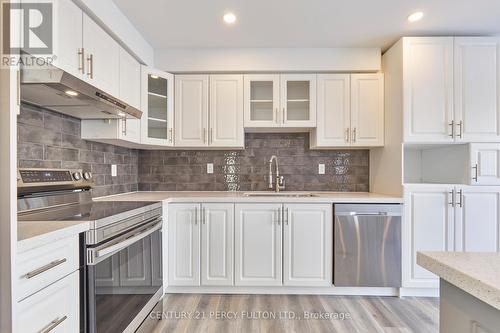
[(367, 248)]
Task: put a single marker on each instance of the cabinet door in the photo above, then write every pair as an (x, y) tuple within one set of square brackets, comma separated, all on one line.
[(258, 245), (428, 226), (130, 79), (428, 89), (308, 245), (59, 302), (158, 107), (226, 111), (217, 235), (334, 111), (184, 244), (262, 104), (68, 34), (135, 264), (485, 164), (367, 110), (477, 88), (102, 55), (477, 221), (191, 110), (130, 130), (298, 100)]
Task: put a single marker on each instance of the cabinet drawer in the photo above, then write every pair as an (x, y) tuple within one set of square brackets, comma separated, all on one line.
[(53, 309), (41, 266)]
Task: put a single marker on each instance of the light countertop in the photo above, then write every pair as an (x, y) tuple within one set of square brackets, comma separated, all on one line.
[(200, 196), (475, 273)]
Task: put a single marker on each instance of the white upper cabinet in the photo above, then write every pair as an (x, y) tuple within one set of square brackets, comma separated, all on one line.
[(350, 111), (307, 244), (130, 79), (428, 89), (226, 111), (258, 235), (157, 122), (367, 109), (477, 89), (102, 54), (333, 111), (215, 125), (262, 102), (298, 100), (484, 164), (68, 34), (217, 235), (286, 100), (191, 110)]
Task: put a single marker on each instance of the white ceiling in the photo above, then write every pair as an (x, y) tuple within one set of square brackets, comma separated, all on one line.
[(304, 23)]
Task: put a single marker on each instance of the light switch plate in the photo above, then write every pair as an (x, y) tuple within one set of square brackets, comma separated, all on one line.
[(210, 168), (114, 171), (321, 169)]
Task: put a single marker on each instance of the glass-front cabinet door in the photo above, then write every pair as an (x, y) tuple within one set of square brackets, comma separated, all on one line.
[(261, 100), (157, 107), (298, 100)]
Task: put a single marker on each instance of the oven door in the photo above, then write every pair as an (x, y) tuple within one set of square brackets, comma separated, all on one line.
[(124, 279)]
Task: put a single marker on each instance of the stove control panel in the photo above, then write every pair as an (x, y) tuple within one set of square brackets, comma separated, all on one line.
[(39, 178)]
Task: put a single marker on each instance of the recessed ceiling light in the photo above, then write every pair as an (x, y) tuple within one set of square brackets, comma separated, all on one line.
[(71, 93), (154, 76), (417, 16), (229, 18)]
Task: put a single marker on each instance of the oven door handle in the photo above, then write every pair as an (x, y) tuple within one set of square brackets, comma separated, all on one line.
[(96, 255)]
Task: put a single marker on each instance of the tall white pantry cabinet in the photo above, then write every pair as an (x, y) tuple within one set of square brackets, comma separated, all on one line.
[(442, 146)]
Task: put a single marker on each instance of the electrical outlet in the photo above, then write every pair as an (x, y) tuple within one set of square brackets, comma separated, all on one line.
[(114, 171), (321, 169), (210, 168)]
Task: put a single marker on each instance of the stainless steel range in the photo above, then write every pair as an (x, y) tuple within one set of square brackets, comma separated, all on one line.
[(121, 263)]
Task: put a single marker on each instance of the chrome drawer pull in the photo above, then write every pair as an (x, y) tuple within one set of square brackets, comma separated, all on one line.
[(45, 268), (53, 324)]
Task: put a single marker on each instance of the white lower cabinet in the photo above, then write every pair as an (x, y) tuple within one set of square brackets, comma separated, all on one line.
[(258, 247), (54, 308), (447, 218), (217, 235), (307, 245), (250, 244), (184, 244)]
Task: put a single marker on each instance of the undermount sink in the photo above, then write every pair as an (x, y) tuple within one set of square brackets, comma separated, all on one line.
[(280, 194)]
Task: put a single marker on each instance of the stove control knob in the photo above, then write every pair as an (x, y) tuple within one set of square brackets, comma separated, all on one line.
[(87, 175), (77, 176)]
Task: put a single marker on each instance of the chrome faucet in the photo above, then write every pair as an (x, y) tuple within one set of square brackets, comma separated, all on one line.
[(280, 181)]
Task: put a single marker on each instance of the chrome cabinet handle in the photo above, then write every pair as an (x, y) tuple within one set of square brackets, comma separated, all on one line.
[(90, 65), (124, 126), (460, 127), (211, 135), (45, 268), (81, 61), (277, 115), (354, 135), (283, 116), (452, 194), (452, 124), (280, 215), (203, 215), (53, 324), (461, 197), (285, 215), (347, 134), (204, 135), (171, 134), (196, 216), (476, 173)]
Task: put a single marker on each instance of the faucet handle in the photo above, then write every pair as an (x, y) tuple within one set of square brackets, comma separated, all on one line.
[(281, 182)]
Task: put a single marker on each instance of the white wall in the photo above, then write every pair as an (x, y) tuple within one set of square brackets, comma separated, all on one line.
[(118, 25), (269, 60)]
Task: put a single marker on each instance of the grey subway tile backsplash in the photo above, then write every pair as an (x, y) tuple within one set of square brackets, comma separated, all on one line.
[(247, 170), (51, 140)]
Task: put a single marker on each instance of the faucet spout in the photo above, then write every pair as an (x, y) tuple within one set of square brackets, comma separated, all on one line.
[(278, 179)]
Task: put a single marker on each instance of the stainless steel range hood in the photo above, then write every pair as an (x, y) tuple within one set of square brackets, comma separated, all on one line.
[(57, 90)]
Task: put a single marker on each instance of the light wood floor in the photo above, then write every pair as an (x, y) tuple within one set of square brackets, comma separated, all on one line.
[(367, 314)]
